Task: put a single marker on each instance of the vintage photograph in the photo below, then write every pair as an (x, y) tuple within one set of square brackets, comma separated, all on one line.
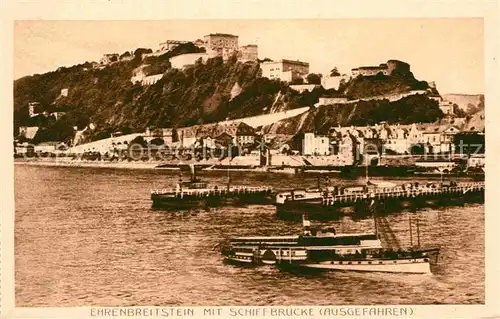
[(249, 162)]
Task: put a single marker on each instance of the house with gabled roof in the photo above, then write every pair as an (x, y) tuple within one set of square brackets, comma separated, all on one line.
[(439, 139)]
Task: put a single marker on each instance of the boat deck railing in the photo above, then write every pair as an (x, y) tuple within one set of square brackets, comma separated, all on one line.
[(213, 191), (329, 198)]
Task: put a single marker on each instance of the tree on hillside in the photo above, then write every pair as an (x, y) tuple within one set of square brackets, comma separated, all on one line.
[(458, 111), (125, 54), (137, 148), (139, 140), (157, 141), (184, 48), (60, 131), (297, 81), (310, 98), (480, 105), (313, 78), (334, 72), (141, 51), (157, 68), (125, 130), (264, 60), (471, 108)]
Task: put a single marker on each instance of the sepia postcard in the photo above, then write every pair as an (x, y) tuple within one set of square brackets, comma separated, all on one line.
[(249, 159)]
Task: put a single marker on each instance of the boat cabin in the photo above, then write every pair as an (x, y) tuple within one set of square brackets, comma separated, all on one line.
[(323, 239), (194, 185), (336, 240)]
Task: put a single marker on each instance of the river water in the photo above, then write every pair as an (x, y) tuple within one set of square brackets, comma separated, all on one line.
[(88, 236)]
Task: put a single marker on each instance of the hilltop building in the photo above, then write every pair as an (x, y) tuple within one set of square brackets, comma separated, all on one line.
[(171, 44), (33, 108), (220, 44), (248, 52), (215, 44), (285, 70), (109, 58), (446, 107), (370, 70), (389, 68)]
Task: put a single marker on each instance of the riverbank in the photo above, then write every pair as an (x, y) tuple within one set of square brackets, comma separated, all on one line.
[(345, 172), (152, 165), (62, 162), (100, 164)]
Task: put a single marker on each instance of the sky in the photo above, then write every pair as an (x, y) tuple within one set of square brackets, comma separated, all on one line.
[(449, 51)]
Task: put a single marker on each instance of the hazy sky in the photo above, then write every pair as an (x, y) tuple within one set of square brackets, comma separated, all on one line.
[(448, 51)]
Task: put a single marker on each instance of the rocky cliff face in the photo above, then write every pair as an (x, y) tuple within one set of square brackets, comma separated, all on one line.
[(411, 109), (198, 94)]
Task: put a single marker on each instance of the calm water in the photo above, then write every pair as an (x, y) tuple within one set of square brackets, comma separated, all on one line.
[(89, 237)]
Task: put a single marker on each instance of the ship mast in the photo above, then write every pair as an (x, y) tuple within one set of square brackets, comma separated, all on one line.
[(228, 165), (193, 172), (418, 235), (306, 224), (366, 171), (411, 235)]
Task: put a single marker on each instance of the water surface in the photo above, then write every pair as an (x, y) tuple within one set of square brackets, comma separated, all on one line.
[(88, 236)]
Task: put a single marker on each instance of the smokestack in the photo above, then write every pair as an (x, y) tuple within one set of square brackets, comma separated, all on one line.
[(193, 172)]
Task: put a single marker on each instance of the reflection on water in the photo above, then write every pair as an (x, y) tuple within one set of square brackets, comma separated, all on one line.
[(89, 237)]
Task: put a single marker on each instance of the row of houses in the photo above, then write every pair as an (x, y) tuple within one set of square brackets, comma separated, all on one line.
[(45, 147), (207, 135), (399, 139), (339, 141), (339, 146)]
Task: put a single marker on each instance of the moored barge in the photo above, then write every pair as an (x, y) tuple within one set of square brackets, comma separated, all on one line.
[(332, 201), (197, 193)]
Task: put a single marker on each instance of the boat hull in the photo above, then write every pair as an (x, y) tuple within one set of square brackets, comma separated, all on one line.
[(162, 201), (319, 209), (410, 266), (414, 266)]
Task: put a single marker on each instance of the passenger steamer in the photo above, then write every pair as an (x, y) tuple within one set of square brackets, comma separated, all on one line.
[(197, 193), (326, 250)]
